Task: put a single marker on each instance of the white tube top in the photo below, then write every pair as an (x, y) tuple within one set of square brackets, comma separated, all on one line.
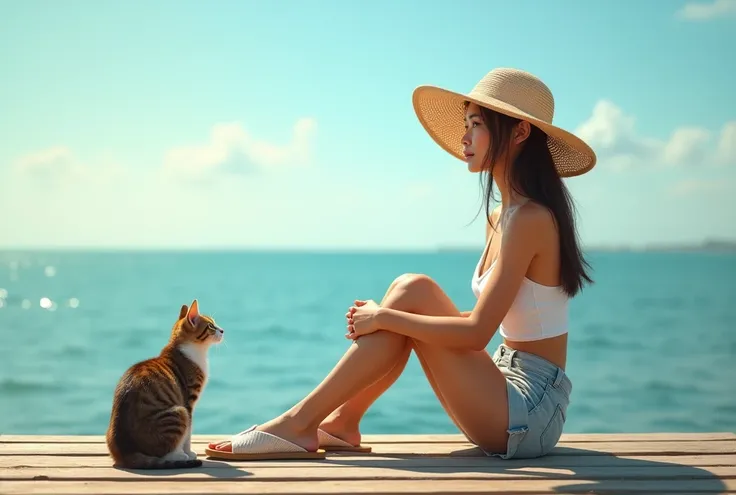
[(538, 311)]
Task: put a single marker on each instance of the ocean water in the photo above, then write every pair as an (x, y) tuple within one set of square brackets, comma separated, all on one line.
[(652, 343)]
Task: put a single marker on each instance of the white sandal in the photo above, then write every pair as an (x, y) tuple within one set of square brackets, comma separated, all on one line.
[(253, 445), (334, 444)]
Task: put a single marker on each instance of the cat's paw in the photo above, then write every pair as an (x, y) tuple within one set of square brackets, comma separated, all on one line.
[(192, 455), (177, 455)]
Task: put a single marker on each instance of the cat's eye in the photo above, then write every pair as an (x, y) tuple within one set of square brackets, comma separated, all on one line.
[(211, 329)]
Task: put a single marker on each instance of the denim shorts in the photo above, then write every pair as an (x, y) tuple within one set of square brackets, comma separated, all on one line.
[(538, 395)]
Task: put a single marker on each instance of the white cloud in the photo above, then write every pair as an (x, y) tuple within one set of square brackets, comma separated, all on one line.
[(52, 163), (59, 164), (709, 10), (726, 152), (619, 145), (232, 149), (687, 145)]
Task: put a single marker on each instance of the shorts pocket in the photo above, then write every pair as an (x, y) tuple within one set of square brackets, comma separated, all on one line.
[(536, 396), (534, 393), (552, 433)]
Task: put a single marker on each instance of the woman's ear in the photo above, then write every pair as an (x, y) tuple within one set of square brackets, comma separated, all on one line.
[(522, 131)]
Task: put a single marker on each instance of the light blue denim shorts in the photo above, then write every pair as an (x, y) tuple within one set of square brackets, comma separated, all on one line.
[(538, 394)]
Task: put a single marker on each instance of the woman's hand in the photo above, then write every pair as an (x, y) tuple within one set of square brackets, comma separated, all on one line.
[(361, 319)]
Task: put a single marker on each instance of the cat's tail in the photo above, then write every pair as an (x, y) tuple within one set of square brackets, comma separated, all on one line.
[(143, 461)]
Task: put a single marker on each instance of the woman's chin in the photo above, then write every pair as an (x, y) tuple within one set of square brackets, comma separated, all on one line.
[(473, 168)]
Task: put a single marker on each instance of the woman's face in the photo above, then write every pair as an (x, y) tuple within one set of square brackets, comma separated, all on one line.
[(476, 139)]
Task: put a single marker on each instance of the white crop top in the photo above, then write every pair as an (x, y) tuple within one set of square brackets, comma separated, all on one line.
[(538, 311)]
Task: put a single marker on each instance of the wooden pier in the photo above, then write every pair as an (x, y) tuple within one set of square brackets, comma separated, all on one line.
[(662, 463)]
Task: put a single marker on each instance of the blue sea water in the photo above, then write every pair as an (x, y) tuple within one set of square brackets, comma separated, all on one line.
[(652, 343)]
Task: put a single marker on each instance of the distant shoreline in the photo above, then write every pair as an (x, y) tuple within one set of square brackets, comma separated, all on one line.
[(708, 246)]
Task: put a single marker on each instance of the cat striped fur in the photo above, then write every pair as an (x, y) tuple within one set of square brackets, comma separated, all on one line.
[(153, 403)]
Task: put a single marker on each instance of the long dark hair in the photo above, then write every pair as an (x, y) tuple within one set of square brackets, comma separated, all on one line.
[(533, 175)]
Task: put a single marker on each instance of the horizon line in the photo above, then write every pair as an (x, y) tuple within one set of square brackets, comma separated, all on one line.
[(704, 244)]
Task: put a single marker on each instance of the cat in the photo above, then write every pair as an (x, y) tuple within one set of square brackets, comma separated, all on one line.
[(151, 421)]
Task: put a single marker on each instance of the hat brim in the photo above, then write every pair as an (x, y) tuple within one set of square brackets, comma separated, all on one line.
[(441, 113)]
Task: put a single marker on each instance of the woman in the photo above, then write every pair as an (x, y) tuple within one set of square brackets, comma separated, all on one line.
[(513, 404)]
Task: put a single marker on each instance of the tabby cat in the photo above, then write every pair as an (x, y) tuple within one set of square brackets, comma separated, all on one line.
[(151, 421)]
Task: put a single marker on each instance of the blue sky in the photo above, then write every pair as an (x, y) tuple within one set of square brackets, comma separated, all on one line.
[(290, 125)]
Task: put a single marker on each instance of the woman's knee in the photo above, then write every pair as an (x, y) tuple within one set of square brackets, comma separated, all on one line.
[(416, 282), (412, 292)]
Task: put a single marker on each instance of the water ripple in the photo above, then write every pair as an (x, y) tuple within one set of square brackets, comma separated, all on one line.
[(651, 343)]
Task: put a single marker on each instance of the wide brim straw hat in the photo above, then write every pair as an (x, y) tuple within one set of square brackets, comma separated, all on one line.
[(511, 92)]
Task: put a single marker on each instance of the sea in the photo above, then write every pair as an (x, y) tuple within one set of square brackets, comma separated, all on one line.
[(652, 341)]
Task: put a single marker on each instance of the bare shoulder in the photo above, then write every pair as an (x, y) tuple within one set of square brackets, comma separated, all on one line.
[(531, 224), (535, 212)]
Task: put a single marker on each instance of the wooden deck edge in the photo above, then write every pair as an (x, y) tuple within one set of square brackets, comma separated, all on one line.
[(381, 487)]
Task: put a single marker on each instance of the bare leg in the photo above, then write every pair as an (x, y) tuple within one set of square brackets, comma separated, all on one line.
[(469, 385), (344, 421), (419, 294)]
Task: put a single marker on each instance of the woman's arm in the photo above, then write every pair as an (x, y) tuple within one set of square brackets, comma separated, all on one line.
[(518, 248)]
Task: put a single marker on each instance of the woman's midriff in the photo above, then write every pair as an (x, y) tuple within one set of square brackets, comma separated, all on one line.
[(553, 350)]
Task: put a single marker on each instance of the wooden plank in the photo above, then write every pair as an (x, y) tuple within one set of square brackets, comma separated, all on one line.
[(379, 487), (601, 463), (43, 461), (563, 448), (434, 438), (288, 473)]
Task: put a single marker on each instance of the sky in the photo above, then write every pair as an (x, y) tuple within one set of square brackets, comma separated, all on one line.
[(289, 125)]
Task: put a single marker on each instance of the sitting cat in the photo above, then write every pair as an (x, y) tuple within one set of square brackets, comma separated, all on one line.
[(151, 421)]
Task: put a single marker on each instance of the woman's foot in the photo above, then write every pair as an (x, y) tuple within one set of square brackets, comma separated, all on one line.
[(337, 427), (344, 430), (281, 427)]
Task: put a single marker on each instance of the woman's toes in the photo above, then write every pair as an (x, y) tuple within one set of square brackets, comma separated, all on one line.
[(224, 447)]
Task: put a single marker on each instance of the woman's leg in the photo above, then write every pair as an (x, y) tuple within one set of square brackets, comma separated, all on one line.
[(469, 385), (344, 422), (446, 370)]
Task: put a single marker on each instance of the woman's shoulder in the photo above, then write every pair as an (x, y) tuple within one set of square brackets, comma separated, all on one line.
[(535, 211), (532, 222)]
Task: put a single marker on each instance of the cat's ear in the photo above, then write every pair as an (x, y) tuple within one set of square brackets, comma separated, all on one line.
[(183, 311), (193, 313)]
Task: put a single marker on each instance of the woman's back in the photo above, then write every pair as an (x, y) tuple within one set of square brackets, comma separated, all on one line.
[(537, 321)]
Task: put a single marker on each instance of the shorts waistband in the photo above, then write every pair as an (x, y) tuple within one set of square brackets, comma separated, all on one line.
[(528, 362)]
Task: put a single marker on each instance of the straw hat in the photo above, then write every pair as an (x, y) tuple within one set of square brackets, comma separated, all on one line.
[(509, 91)]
